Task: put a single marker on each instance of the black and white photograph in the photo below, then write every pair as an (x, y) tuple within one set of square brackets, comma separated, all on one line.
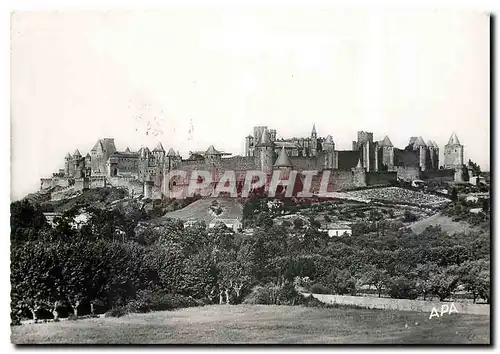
[(250, 175)]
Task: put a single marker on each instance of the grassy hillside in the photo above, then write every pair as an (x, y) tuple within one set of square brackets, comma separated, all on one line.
[(200, 210), (263, 324), (446, 223), (98, 198)]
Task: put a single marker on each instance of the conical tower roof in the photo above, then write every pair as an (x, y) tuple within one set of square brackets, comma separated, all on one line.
[(68, 156), (435, 144), (159, 148), (419, 142), (329, 140), (283, 160), (453, 139), (212, 151), (127, 150), (177, 154), (359, 164), (386, 142), (99, 147), (171, 152), (431, 144), (77, 153), (265, 140), (87, 156)]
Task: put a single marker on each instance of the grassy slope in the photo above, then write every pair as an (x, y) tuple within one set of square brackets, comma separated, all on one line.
[(263, 324), (447, 224), (200, 210)]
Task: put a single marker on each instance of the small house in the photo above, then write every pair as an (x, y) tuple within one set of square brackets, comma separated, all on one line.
[(334, 229)]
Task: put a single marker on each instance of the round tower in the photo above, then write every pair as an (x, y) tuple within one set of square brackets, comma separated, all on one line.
[(329, 149), (266, 152), (453, 153), (170, 160), (159, 153), (67, 160), (148, 188), (387, 153)]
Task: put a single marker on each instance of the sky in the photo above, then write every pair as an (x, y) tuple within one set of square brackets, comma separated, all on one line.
[(195, 77)]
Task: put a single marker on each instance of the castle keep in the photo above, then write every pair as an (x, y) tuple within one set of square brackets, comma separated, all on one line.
[(369, 162)]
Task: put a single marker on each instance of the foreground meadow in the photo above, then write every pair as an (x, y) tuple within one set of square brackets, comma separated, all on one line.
[(229, 324)]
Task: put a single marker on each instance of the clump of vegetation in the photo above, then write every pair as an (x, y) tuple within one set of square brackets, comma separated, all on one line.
[(116, 312), (272, 294), (318, 288), (151, 300)]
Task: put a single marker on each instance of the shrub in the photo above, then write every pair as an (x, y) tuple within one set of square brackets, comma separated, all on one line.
[(149, 300), (403, 288), (409, 216), (274, 295), (260, 295), (116, 312), (311, 301), (162, 302), (318, 288)]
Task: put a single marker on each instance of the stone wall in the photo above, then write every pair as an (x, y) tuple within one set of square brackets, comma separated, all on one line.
[(53, 182), (446, 175), (408, 173), (380, 178), (133, 185), (401, 304), (81, 184)]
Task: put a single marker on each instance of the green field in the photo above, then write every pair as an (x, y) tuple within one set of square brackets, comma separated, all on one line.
[(263, 324)]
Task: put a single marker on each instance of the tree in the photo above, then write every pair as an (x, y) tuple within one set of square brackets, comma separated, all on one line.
[(401, 287), (424, 273), (475, 276), (342, 282), (376, 277), (26, 221), (444, 282)]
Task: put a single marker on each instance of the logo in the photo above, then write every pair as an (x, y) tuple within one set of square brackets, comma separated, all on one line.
[(180, 184), (444, 308)]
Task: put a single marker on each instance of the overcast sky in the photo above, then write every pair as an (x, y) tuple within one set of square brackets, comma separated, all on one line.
[(190, 78)]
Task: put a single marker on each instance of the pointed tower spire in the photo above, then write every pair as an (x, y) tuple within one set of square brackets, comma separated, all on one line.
[(171, 153), (283, 160), (159, 148), (265, 140), (453, 139), (127, 150), (313, 132), (359, 164)]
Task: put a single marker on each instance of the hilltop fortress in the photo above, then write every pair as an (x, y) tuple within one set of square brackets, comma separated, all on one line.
[(369, 163)]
